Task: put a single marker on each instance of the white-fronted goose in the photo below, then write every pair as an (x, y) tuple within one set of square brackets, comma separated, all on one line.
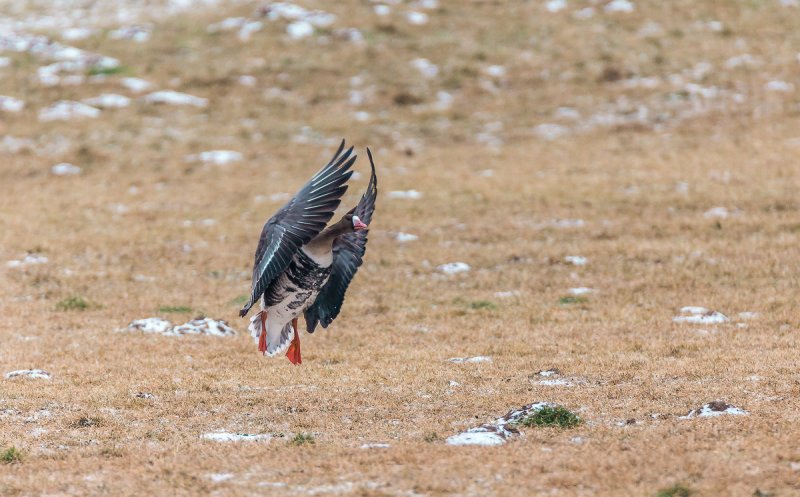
[(303, 267)]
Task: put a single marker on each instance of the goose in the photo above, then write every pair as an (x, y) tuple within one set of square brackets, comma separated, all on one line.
[(303, 267)]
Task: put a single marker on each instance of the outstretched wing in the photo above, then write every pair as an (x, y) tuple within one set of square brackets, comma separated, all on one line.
[(348, 251), (297, 222)]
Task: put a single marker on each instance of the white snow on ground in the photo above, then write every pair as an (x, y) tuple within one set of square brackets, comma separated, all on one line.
[(716, 212), (136, 85), (28, 260), (65, 169), (66, 110), (567, 223), (219, 477), (779, 86), (108, 101), (291, 12), (139, 33), (716, 408), (464, 360), (34, 374), (550, 132), (551, 380), (74, 34), (427, 68), (224, 436), (619, 6), (558, 382), (175, 98), (216, 157), (203, 326), (11, 104), (555, 5), (581, 290), (454, 268), (417, 18), (150, 325), (405, 237), (405, 194), (299, 30), (576, 260), (476, 437), (507, 294), (700, 315), (382, 10), (498, 431)]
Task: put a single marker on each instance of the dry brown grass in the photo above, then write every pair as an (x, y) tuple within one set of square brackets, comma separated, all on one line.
[(375, 376)]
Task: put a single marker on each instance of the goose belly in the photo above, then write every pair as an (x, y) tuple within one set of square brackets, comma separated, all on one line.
[(296, 289)]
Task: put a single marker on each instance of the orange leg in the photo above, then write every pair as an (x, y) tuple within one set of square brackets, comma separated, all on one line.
[(294, 349), (262, 340)]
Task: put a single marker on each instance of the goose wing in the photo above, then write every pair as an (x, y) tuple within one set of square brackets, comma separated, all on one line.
[(348, 252), (297, 222)]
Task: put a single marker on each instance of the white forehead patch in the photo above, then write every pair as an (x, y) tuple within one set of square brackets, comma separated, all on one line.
[(356, 220)]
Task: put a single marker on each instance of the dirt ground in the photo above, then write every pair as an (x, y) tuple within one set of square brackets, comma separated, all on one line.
[(657, 140)]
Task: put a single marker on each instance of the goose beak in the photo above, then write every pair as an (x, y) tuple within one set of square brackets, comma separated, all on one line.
[(358, 224)]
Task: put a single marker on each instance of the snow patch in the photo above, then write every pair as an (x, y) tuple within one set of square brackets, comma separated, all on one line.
[(567, 223), (224, 436), (65, 169), (66, 110), (219, 477), (300, 29), (11, 104), (216, 157), (576, 260), (717, 213), (136, 85), (625, 6), (405, 194), (139, 33), (200, 326), (109, 101), (498, 431), (417, 18), (555, 5), (581, 290), (700, 315), (175, 98), (715, 408), (28, 260), (34, 374), (454, 267), (204, 326), (405, 237), (549, 131), (465, 360), (425, 67), (74, 34), (779, 86), (557, 382), (507, 294)]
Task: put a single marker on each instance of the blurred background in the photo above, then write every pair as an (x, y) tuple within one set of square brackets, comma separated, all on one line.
[(604, 189)]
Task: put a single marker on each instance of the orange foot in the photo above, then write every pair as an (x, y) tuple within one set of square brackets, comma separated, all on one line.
[(294, 349), (262, 340)]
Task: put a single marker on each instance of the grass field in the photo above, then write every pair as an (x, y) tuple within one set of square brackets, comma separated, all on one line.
[(660, 144)]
